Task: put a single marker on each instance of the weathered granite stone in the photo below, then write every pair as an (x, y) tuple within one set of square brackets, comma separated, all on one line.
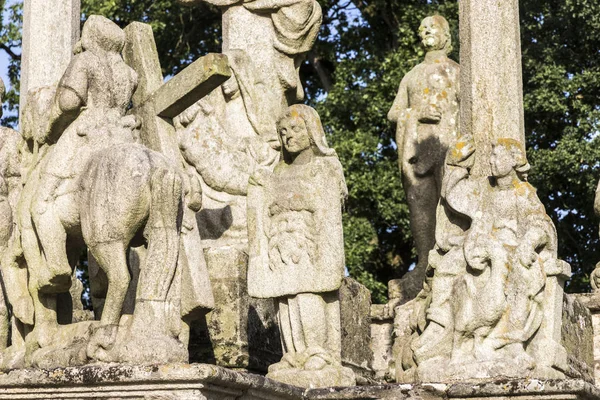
[(240, 332), (578, 337), (297, 250), (493, 294), (164, 382), (382, 334), (10, 190), (209, 382), (89, 183), (426, 113), (355, 309), (500, 389), (592, 302), (50, 32), (492, 302)]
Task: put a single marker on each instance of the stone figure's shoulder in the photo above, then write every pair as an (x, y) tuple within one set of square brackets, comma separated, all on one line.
[(414, 71), (453, 64), (326, 166), (9, 137), (85, 61)]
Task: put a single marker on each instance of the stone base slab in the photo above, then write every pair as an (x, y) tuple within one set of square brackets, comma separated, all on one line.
[(498, 389), (210, 382), (154, 382)]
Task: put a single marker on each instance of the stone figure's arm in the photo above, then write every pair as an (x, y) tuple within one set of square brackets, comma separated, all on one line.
[(534, 239), (219, 167), (273, 5), (400, 103), (398, 114), (329, 232), (461, 192), (71, 96)]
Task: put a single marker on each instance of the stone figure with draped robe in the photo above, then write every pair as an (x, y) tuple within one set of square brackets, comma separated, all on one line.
[(297, 250)]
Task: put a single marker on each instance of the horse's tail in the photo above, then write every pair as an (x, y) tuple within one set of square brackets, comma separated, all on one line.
[(162, 233)]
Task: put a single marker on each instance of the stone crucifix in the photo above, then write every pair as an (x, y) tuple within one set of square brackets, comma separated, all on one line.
[(496, 295)]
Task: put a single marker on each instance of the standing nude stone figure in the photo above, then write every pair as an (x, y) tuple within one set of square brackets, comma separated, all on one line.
[(297, 250), (426, 112)]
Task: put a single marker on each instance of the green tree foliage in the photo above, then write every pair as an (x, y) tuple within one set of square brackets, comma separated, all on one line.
[(351, 76), (10, 43)]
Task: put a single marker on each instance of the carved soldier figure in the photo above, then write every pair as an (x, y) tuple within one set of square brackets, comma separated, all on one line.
[(87, 115), (426, 112), (297, 250)]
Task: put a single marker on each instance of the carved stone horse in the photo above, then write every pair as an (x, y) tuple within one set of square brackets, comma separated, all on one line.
[(129, 195)]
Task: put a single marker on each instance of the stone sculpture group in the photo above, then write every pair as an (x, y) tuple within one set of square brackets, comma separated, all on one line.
[(171, 186)]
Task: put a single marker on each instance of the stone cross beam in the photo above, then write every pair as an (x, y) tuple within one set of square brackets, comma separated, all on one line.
[(50, 32), (157, 103), (491, 78)]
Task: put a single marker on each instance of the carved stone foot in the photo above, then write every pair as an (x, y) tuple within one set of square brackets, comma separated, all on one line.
[(66, 348), (12, 358), (101, 341), (143, 338)]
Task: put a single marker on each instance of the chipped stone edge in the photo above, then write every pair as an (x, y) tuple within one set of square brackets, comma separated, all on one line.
[(497, 388), (113, 378), (106, 380)]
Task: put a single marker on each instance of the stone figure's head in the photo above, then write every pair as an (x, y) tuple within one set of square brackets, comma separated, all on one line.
[(508, 157), (300, 129), (101, 34), (435, 34)]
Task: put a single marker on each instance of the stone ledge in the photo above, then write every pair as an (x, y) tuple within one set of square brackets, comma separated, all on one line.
[(202, 381), (168, 382), (530, 389)]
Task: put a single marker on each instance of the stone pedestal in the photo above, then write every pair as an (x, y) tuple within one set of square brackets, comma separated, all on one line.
[(241, 332), (209, 382), (164, 382), (355, 307), (499, 389), (591, 339), (382, 331)]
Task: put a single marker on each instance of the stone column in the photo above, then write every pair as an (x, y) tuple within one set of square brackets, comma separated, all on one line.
[(491, 79), (492, 108), (50, 32)]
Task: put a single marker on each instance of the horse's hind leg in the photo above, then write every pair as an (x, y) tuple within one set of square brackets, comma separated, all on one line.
[(56, 277), (111, 257)]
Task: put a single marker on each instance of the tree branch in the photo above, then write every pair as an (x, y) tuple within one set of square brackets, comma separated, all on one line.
[(322, 71), (9, 51)]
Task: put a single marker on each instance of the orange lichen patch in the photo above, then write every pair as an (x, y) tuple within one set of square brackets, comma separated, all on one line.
[(444, 94), (520, 187), (509, 142), (457, 150), (426, 90), (294, 113)]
